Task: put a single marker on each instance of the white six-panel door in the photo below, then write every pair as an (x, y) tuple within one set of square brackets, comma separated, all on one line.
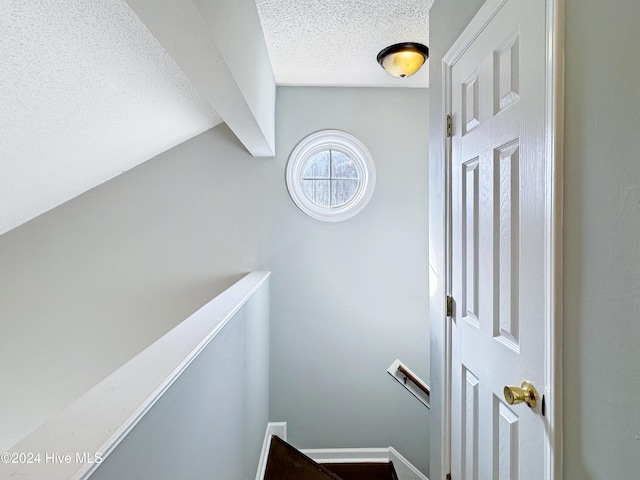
[(498, 244)]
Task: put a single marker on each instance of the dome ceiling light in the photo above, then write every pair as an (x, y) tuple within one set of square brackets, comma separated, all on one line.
[(403, 59)]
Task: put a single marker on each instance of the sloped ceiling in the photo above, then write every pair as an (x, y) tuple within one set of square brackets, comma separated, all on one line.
[(86, 92), (335, 42)]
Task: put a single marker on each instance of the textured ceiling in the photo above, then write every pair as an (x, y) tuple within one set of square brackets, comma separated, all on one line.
[(335, 42), (86, 92)]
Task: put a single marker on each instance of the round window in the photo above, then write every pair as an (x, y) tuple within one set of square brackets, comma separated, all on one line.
[(330, 175)]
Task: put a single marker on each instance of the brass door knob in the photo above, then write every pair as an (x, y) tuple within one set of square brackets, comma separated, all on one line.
[(523, 394)]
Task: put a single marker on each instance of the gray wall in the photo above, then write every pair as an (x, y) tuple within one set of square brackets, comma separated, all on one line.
[(351, 297), (601, 345), (210, 423), (602, 240), (89, 284)]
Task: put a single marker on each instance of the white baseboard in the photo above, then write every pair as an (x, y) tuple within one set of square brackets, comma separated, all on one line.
[(348, 455), (273, 428), (404, 469)]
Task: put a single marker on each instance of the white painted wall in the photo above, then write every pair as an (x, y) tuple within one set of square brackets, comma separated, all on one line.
[(210, 422), (351, 297), (602, 241), (601, 337), (89, 284)]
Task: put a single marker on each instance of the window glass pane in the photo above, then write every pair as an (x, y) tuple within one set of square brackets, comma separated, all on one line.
[(317, 191), (342, 191), (318, 166), (342, 166)]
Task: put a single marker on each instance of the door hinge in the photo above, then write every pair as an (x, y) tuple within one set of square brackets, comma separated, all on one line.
[(449, 125), (449, 306)]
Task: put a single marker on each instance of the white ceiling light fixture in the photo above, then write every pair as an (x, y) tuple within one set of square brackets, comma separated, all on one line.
[(403, 59)]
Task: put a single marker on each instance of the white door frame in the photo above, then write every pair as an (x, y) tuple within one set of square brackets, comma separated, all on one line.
[(440, 248)]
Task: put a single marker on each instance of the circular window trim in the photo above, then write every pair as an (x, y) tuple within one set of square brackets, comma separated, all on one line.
[(331, 140)]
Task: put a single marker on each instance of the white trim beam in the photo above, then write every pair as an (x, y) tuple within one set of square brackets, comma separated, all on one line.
[(242, 94)]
